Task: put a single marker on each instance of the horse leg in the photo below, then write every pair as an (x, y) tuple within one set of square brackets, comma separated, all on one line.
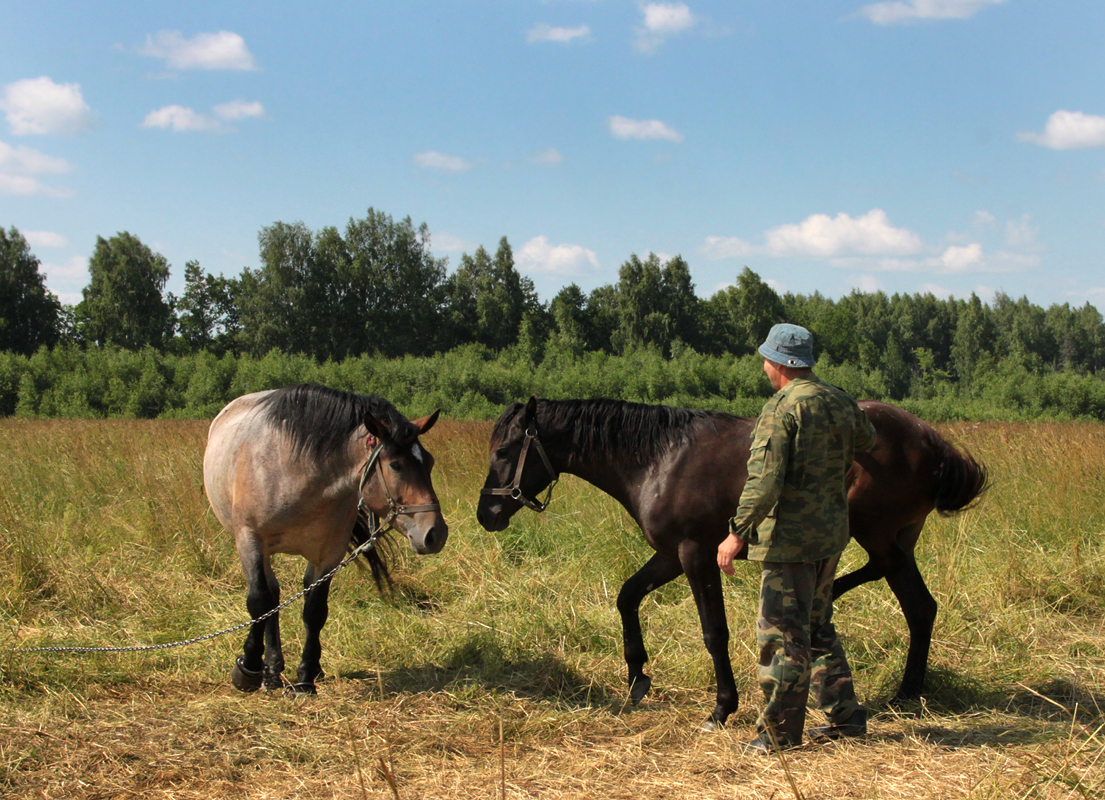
[(660, 569), (249, 668), (865, 574), (918, 606), (274, 652), (316, 607), (700, 564)]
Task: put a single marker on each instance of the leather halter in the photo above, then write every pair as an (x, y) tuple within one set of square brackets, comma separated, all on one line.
[(514, 491), (394, 509)]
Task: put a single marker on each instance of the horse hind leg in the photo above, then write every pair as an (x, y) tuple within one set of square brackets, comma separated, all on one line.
[(316, 608), (657, 571), (865, 574), (918, 606), (261, 661)]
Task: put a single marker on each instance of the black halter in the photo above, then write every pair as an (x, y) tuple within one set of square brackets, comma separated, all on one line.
[(514, 491), (394, 509)]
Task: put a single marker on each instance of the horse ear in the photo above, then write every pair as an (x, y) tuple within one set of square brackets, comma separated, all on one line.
[(375, 427), (425, 423), (531, 411)]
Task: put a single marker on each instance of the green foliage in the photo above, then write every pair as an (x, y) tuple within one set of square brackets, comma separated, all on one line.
[(123, 303), (208, 311), (378, 288), (488, 300), (369, 309), (475, 382), (30, 315)]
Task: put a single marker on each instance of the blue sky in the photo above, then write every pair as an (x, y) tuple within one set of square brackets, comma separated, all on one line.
[(951, 146)]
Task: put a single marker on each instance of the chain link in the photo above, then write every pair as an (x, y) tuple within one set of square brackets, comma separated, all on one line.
[(363, 548)]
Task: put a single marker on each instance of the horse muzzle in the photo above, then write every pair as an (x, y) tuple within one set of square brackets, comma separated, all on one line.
[(426, 531)]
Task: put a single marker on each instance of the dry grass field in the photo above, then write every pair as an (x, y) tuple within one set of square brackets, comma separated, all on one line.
[(494, 670)]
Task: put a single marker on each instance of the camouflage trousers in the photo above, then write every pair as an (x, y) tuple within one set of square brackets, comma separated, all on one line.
[(799, 649)]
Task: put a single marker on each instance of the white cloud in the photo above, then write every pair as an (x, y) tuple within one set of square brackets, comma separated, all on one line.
[(47, 239), (27, 161), (645, 129), (432, 159), (935, 290), (19, 167), (549, 157), (984, 218), (222, 50), (1069, 130), (40, 106), (962, 259), (74, 270), (868, 284), (1021, 233), (894, 13), (539, 257), (955, 260), (662, 20), (182, 120), (718, 247), (239, 109), (547, 33), (822, 236), (451, 244), (25, 186)]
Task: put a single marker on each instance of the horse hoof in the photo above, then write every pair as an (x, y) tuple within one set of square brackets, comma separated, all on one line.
[(245, 680), (300, 690), (639, 688)]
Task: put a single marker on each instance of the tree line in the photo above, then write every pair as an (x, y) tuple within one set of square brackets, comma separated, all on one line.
[(375, 289)]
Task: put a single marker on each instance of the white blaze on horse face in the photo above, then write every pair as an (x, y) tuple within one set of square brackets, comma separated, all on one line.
[(416, 451)]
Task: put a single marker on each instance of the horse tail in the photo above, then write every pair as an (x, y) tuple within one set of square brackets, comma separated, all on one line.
[(959, 479), (381, 575)]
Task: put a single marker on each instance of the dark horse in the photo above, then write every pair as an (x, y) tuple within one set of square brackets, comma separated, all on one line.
[(679, 474), (291, 471)]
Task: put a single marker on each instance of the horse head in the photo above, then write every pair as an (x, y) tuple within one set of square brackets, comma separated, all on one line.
[(519, 469), (397, 487)]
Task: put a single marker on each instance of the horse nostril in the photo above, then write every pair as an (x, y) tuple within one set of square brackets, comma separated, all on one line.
[(430, 539)]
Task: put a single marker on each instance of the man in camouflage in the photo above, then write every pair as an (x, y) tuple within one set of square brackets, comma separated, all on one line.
[(793, 514)]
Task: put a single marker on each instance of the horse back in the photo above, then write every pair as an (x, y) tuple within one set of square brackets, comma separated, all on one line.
[(697, 485), (255, 481)]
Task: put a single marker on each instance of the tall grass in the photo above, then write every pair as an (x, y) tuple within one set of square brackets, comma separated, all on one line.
[(106, 540)]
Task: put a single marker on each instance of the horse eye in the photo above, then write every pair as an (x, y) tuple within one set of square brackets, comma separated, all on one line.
[(395, 465)]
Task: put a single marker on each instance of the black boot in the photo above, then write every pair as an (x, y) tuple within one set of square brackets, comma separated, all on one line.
[(855, 725)]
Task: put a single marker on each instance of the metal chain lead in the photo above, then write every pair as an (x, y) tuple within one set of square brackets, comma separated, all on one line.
[(365, 547)]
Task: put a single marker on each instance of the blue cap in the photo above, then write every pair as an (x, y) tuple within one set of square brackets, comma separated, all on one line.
[(788, 345)]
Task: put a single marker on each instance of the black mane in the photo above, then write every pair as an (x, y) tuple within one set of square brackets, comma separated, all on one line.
[(320, 420), (637, 431)]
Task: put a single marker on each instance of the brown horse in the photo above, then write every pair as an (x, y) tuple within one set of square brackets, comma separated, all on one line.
[(292, 471), (679, 474)]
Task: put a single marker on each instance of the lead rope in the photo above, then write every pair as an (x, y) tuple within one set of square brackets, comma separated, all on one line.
[(367, 545)]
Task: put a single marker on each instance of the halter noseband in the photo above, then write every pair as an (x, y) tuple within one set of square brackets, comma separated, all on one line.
[(514, 491), (394, 509)]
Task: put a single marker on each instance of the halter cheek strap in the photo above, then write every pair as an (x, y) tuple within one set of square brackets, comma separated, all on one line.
[(395, 509), (514, 491)]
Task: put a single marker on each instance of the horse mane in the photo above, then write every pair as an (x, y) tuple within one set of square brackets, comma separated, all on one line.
[(319, 420), (618, 428)]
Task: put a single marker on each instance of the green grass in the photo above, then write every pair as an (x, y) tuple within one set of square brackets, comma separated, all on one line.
[(106, 540)]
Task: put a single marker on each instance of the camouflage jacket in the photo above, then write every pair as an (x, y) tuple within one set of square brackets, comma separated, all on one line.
[(794, 506)]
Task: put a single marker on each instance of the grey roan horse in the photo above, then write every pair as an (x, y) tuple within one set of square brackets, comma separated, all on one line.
[(679, 474), (290, 471)]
